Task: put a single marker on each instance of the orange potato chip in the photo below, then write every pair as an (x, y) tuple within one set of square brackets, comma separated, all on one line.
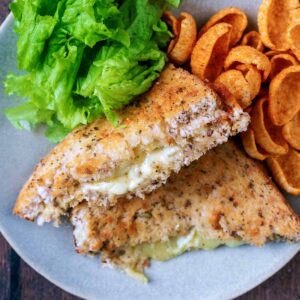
[(284, 95), (211, 49), (253, 39), (281, 61), (291, 132), (271, 53), (233, 16), (285, 170), (274, 20), (253, 150), (295, 13), (294, 39), (171, 45), (224, 94), (186, 40), (248, 55), (237, 85), (267, 135), (253, 77), (171, 20)]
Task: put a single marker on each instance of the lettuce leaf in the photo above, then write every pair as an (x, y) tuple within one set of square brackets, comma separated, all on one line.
[(84, 59)]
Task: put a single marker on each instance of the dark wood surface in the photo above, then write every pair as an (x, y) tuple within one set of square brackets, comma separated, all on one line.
[(19, 281)]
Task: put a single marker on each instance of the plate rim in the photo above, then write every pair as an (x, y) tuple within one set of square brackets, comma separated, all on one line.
[(72, 290), (6, 21)]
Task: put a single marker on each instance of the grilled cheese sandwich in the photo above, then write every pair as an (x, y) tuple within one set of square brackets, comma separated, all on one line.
[(225, 198), (172, 125)]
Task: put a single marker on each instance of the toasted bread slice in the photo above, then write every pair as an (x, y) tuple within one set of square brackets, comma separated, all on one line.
[(223, 198), (173, 124)]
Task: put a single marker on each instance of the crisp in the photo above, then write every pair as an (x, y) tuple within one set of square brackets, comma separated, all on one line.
[(224, 93), (281, 61), (284, 95), (253, 39), (181, 51), (237, 85), (285, 170), (294, 39), (173, 22), (253, 77), (248, 55), (250, 146), (274, 20), (267, 135), (233, 16), (291, 131), (211, 49)]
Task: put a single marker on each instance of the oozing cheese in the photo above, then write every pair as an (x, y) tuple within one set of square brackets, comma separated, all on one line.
[(174, 247), (139, 173)]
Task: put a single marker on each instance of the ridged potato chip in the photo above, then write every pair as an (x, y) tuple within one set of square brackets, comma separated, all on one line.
[(284, 95), (291, 132), (233, 16), (294, 39), (250, 146), (271, 53), (293, 33), (253, 40), (237, 85), (211, 49), (224, 93), (295, 14), (253, 77), (274, 20), (285, 170), (173, 22), (281, 61), (186, 40), (248, 55), (267, 135)]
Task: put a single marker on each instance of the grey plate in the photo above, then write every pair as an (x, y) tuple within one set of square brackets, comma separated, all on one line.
[(221, 274)]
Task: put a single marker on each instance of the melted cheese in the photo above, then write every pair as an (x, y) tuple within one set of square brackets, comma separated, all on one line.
[(139, 173), (174, 247), (162, 251)]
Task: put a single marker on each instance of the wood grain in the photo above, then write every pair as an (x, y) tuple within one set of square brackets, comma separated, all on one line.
[(34, 286), (4, 9), (5, 269), (19, 281), (284, 285)]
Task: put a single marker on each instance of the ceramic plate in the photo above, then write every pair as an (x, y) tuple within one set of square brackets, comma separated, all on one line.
[(221, 274)]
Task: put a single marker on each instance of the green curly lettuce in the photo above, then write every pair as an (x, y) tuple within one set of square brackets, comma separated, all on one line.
[(84, 59)]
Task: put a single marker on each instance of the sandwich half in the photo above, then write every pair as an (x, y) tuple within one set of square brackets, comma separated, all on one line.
[(175, 123), (225, 198)]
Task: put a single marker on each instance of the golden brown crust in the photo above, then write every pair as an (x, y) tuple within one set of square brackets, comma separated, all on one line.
[(93, 152), (224, 195)]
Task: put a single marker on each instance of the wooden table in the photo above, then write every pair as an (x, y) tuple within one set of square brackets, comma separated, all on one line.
[(19, 281)]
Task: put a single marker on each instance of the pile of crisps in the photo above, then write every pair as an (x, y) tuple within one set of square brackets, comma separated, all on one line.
[(260, 69)]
